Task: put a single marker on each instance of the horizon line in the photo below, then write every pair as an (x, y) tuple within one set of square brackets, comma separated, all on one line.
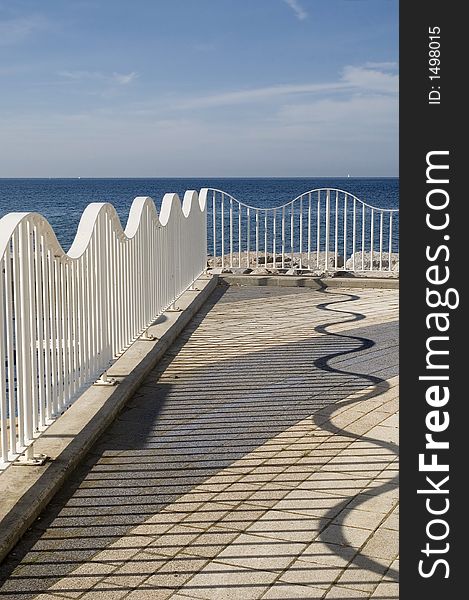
[(217, 177)]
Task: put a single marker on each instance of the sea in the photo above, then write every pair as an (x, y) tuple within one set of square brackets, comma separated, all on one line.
[(62, 201)]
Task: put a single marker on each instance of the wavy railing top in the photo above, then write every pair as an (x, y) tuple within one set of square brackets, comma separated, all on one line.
[(352, 196), (90, 218)]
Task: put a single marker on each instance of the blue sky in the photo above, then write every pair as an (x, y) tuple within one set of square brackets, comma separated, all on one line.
[(185, 88)]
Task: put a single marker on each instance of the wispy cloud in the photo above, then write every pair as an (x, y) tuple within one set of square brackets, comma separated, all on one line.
[(14, 31), (371, 79), (300, 12), (124, 78), (116, 78), (353, 78), (387, 66), (258, 94)]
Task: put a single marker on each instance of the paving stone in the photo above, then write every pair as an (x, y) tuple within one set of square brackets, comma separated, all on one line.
[(219, 581), (170, 543), (308, 573), (174, 573), (287, 591), (282, 525), (386, 591), (211, 542), (363, 574), (328, 554), (358, 518), (383, 544), (258, 552), (338, 592), (345, 536)]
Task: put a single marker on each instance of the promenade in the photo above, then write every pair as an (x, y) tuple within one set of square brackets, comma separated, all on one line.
[(257, 461)]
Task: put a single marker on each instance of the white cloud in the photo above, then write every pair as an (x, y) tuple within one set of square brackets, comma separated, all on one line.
[(296, 7), (14, 31), (258, 94), (386, 66), (124, 78), (119, 78), (371, 79), (352, 78)]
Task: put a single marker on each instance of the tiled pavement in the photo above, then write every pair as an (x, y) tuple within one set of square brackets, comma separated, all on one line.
[(258, 461)]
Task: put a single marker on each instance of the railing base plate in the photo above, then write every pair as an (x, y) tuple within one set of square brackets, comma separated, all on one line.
[(147, 337), (36, 460), (106, 382)]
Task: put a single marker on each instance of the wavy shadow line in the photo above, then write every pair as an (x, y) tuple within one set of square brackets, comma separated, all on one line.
[(379, 386)]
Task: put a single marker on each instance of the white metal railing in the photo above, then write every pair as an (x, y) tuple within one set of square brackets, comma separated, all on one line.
[(322, 229), (64, 317)]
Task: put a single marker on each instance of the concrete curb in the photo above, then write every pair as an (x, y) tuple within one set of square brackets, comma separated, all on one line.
[(317, 283), (26, 491)]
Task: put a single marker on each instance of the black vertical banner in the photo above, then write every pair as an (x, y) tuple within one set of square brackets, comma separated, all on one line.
[(434, 319)]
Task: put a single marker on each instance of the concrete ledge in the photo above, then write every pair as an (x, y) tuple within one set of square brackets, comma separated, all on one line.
[(26, 491), (317, 283)]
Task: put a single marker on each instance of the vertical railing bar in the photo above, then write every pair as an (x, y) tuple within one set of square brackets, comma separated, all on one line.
[(309, 230), (214, 215), (301, 232), (354, 232), (34, 316), (25, 343), (265, 237), (53, 333), (283, 237), (46, 300), (239, 234), (4, 359), (248, 256), (38, 249), (372, 238), (10, 333), (257, 237), (222, 216), (292, 229), (327, 225), (32, 333), (19, 324), (85, 315), (363, 236), (79, 323), (68, 337), (390, 240), (345, 231), (92, 305), (381, 240), (231, 231), (63, 335), (318, 237), (274, 240), (336, 231)]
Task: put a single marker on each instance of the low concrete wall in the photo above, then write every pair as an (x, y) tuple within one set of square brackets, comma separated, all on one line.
[(26, 491), (317, 283)]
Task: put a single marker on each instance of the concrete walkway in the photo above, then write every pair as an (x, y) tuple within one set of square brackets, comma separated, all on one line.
[(259, 460)]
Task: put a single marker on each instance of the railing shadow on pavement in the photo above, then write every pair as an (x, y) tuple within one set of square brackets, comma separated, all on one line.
[(378, 385)]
